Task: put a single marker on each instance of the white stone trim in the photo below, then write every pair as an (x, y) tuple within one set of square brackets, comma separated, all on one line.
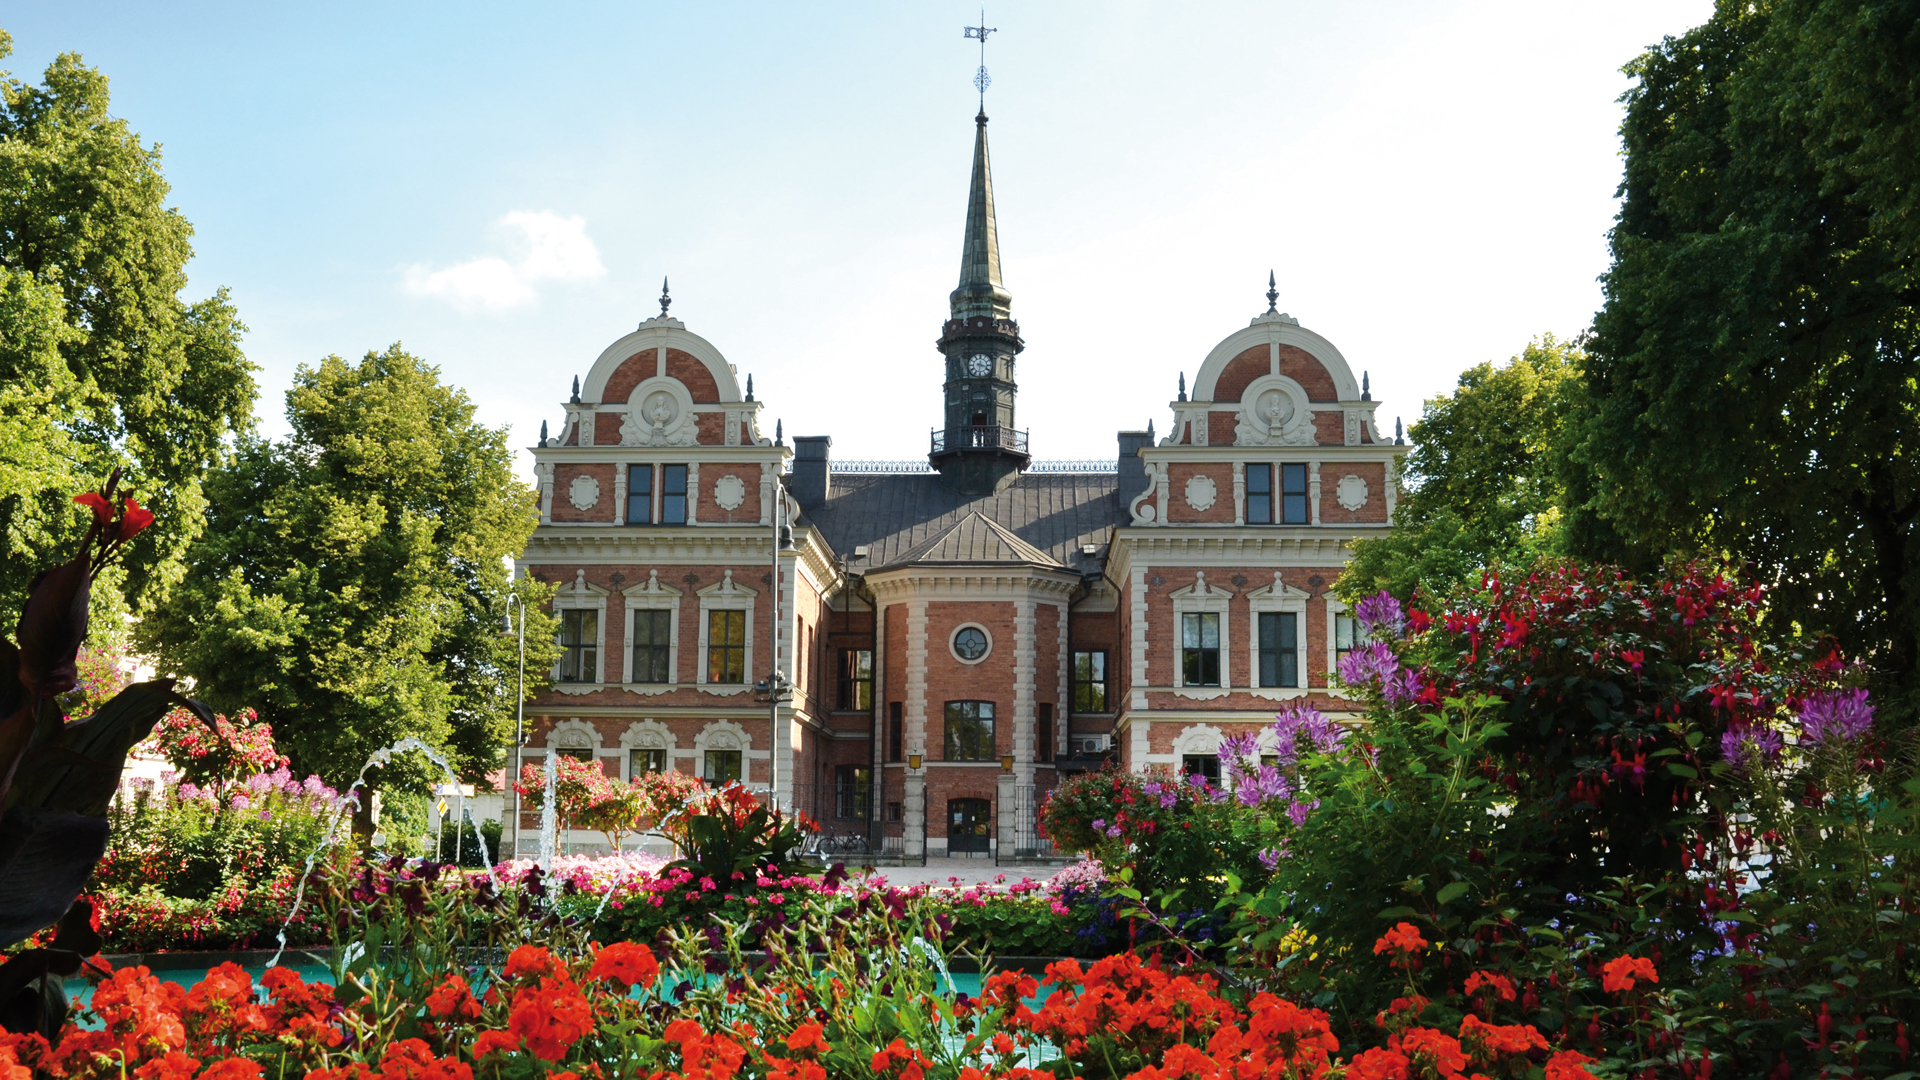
[(916, 698), (1138, 661), (1284, 598), (954, 636), (1026, 720), (1063, 700), (652, 596), (645, 735)]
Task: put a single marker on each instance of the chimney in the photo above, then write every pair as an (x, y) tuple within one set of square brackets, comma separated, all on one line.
[(809, 479), (1133, 471)]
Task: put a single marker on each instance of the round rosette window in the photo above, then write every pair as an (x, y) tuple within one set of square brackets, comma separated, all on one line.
[(970, 644)]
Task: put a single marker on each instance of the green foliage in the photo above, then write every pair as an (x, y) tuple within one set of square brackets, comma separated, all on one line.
[(101, 363), (457, 837), (352, 581), (1483, 478), (1755, 370), (727, 833)]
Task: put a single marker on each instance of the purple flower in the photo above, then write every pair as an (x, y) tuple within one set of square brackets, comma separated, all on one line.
[(1744, 744), (1237, 747), (1381, 612), (1197, 781), (1168, 798), (1099, 823), (241, 802), (1401, 688), (1835, 716), (1113, 831), (1297, 811), (1253, 788), (1270, 857), (1304, 722), (1370, 664)]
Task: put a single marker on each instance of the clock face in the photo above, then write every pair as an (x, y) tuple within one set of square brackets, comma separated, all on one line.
[(979, 364)]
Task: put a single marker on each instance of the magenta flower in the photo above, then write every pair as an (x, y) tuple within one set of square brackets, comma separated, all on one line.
[(1381, 612), (1835, 716), (1744, 745)]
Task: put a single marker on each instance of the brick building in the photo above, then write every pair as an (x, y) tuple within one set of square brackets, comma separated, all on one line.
[(951, 637)]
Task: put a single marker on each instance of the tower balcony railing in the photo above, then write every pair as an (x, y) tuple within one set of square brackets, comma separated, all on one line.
[(990, 437)]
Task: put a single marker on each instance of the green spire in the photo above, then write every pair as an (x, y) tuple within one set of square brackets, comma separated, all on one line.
[(980, 291)]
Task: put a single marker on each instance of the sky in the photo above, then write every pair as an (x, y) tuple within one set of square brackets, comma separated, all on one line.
[(501, 188)]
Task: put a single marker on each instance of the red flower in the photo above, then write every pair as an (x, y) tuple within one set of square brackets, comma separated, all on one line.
[(1622, 970), (1404, 938), (1378, 1064), (1498, 983), (627, 963), (494, 1042), (134, 518), (96, 502), (232, 1069), (550, 1017), (453, 1000), (532, 961), (808, 1036), (1569, 1065), (174, 1066)]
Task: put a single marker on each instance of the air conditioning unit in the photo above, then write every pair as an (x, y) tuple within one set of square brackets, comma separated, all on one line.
[(1094, 744)]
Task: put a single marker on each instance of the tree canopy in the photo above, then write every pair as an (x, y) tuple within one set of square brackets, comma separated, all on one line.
[(351, 583), (1752, 385), (101, 363), (1483, 480)]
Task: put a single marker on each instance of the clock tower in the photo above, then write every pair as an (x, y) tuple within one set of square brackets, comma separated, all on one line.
[(980, 451)]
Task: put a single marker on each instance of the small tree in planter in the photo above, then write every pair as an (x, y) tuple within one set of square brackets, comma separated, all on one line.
[(220, 755)]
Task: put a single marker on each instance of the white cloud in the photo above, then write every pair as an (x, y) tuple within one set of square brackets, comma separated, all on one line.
[(544, 247)]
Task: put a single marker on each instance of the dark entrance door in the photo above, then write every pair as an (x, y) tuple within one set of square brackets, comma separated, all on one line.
[(968, 826)]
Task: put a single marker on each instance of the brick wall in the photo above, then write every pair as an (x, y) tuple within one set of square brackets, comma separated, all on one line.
[(632, 371), (1220, 512), (1299, 365), (694, 374), (1163, 634), (563, 476), (1374, 512), (950, 680), (1241, 370), (710, 428), (1330, 428)]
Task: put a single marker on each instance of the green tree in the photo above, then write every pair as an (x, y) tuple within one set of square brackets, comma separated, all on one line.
[(101, 363), (1754, 381), (1483, 477), (352, 580)]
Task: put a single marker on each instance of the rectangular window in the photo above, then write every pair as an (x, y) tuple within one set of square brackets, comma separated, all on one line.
[(726, 646), (970, 731), (673, 494), (1293, 494), (893, 811), (1090, 682), (642, 762), (896, 733), (1347, 633), (1200, 649), (723, 767), (852, 792), (577, 753), (1259, 494), (579, 646), (639, 494), (856, 679), (652, 633), (1207, 765), (1044, 737), (1279, 655)]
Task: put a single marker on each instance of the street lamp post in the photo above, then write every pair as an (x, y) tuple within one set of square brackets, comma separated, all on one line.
[(776, 686)]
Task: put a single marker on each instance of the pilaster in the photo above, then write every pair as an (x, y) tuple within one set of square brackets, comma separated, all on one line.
[(914, 826)]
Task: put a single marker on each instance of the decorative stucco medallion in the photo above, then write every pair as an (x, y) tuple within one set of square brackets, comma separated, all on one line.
[(729, 492), (1351, 492), (1201, 493), (584, 493)]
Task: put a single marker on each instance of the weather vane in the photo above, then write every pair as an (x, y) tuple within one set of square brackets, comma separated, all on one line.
[(981, 80)]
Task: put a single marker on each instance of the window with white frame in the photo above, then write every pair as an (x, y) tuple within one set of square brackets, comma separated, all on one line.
[(1276, 638), (653, 632), (1345, 634), (1202, 635), (726, 633), (649, 747), (579, 607)]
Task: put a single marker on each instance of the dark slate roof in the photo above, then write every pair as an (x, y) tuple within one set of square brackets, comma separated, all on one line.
[(972, 541), (893, 513)]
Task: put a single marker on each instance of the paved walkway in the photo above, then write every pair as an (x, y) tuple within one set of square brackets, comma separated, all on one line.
[(975, 870)]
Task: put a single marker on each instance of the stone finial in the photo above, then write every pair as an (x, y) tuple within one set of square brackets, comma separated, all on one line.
[(749, 386), (543, 433), (1366, 388), (665, 300), (1183, 386), (1398, 439), (575, 399), (1149, 432), (777, 435), (1273, 296)]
